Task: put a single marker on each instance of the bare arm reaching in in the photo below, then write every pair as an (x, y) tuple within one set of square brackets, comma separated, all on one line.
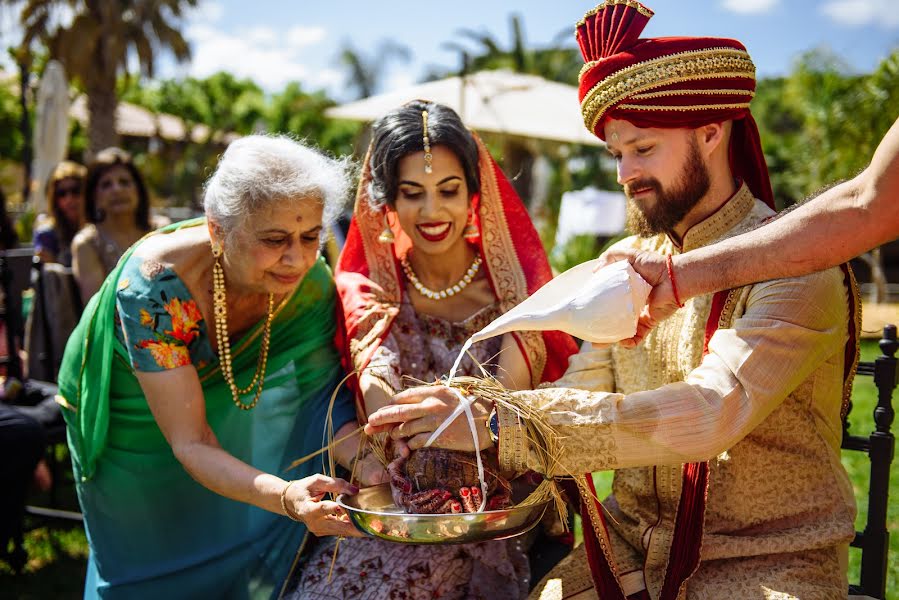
[(843, 222)]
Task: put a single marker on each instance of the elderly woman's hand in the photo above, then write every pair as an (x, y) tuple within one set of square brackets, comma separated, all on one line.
[(305, 496), (418, 412)]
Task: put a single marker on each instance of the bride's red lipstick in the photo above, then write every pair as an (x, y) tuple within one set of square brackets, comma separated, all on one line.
[(434, 232)]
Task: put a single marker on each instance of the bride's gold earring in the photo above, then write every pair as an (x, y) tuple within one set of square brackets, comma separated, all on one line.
[(470, 232), (386, 236)]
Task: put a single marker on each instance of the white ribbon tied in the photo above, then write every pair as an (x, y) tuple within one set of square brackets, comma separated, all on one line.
[(465, 406)]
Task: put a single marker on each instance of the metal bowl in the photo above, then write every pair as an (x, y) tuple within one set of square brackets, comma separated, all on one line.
[(373, 513)]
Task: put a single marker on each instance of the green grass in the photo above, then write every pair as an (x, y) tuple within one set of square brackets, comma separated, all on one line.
[(57, 558), (57, 555), (57, 552), (864, 399)]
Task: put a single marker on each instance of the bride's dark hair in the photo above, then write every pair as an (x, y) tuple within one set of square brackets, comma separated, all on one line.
[(400, 132)]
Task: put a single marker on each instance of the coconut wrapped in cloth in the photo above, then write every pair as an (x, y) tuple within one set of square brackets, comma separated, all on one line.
[(435, 480)]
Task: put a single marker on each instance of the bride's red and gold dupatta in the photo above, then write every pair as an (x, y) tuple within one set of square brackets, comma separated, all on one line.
[(370, 284)]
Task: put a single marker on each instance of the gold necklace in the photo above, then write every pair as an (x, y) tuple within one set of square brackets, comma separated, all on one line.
[(220, 307), (446, 293)]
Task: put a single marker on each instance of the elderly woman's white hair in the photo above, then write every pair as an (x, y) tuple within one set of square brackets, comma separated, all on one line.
[(259, 169)]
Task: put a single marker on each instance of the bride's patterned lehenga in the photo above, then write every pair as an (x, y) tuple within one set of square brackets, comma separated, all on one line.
[(384, 332), (423, 348)]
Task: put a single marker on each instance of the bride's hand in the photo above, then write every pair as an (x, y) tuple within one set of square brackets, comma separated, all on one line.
[(369, 471), (418, 412), (304, 498)]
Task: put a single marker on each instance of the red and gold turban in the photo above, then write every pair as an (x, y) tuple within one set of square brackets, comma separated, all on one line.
[(669, 82)]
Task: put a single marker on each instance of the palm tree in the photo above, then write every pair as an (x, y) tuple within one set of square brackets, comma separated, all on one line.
[(96, 45), (480, 51), (555, 62), (364, 73)]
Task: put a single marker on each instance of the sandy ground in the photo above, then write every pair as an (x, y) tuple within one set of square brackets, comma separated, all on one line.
[(875, 316)]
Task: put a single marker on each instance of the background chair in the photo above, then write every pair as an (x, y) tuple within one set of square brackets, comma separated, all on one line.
[(879, 446)]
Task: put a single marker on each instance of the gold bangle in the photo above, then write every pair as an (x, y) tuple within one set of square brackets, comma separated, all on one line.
[(284, 502)]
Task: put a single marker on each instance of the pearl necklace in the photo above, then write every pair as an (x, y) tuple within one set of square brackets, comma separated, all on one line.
[(442, 294), (221, 329)]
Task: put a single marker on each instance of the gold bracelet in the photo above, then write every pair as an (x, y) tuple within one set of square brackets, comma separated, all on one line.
[(284, 502)]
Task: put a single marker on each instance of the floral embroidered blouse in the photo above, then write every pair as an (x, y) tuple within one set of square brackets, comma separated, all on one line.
[(158, 321)]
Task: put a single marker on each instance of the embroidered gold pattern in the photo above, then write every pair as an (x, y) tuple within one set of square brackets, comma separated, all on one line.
[(646, 12), (500, 256), (383, 273), (721, 222), (857, 317), (60, 400), (512, 447), (701, 92), (667, 70), (717, 52), (590, 501), (685, 108)]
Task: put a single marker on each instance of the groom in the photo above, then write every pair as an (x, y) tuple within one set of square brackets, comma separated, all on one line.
[(723, 426)]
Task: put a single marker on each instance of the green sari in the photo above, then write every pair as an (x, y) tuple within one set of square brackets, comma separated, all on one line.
[(154, 532)]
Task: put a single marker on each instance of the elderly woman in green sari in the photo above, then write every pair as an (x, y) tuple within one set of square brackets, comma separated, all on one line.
[(201, 369)]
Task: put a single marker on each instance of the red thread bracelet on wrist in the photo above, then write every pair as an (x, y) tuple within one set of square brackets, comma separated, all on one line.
[(670, 266)]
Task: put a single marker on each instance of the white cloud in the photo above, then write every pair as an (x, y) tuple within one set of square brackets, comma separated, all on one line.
[(399, 79), (862, 12), (749, 7), (260, 35), (244, 54), (299, 36), (324, 78), (207, 12)]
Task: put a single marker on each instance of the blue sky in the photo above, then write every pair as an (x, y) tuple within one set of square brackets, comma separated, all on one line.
[(274, 42)]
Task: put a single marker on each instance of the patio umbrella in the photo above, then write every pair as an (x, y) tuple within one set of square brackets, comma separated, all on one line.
[(491, 101), (51, 130)]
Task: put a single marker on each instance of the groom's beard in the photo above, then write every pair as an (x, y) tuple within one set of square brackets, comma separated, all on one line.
[(671, 205)]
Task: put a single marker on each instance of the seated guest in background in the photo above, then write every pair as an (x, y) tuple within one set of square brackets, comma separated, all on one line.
[(8, 237), (22, 444), (117, 209), (52, 240), (56, 304), (202, 368), (724, 424)]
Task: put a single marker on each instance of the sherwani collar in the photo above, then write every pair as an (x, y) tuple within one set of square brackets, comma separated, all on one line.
[(713, 227)]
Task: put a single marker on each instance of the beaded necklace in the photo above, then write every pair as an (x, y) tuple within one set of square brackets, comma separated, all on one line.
[(445, 293), (220, 308)]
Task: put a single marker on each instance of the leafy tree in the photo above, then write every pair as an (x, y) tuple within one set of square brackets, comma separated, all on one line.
[(96, 46), (820, 125), (221, 102), (10, 119), (303, 114)]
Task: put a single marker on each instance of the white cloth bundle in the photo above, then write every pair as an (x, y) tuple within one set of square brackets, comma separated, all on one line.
[(600, 307)]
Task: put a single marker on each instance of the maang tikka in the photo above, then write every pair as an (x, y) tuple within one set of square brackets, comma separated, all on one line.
[(427, 141)]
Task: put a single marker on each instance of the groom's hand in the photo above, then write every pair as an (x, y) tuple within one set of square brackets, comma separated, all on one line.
[(418, 412)]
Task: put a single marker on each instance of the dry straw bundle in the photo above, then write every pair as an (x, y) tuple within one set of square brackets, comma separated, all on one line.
[(541, 437)]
